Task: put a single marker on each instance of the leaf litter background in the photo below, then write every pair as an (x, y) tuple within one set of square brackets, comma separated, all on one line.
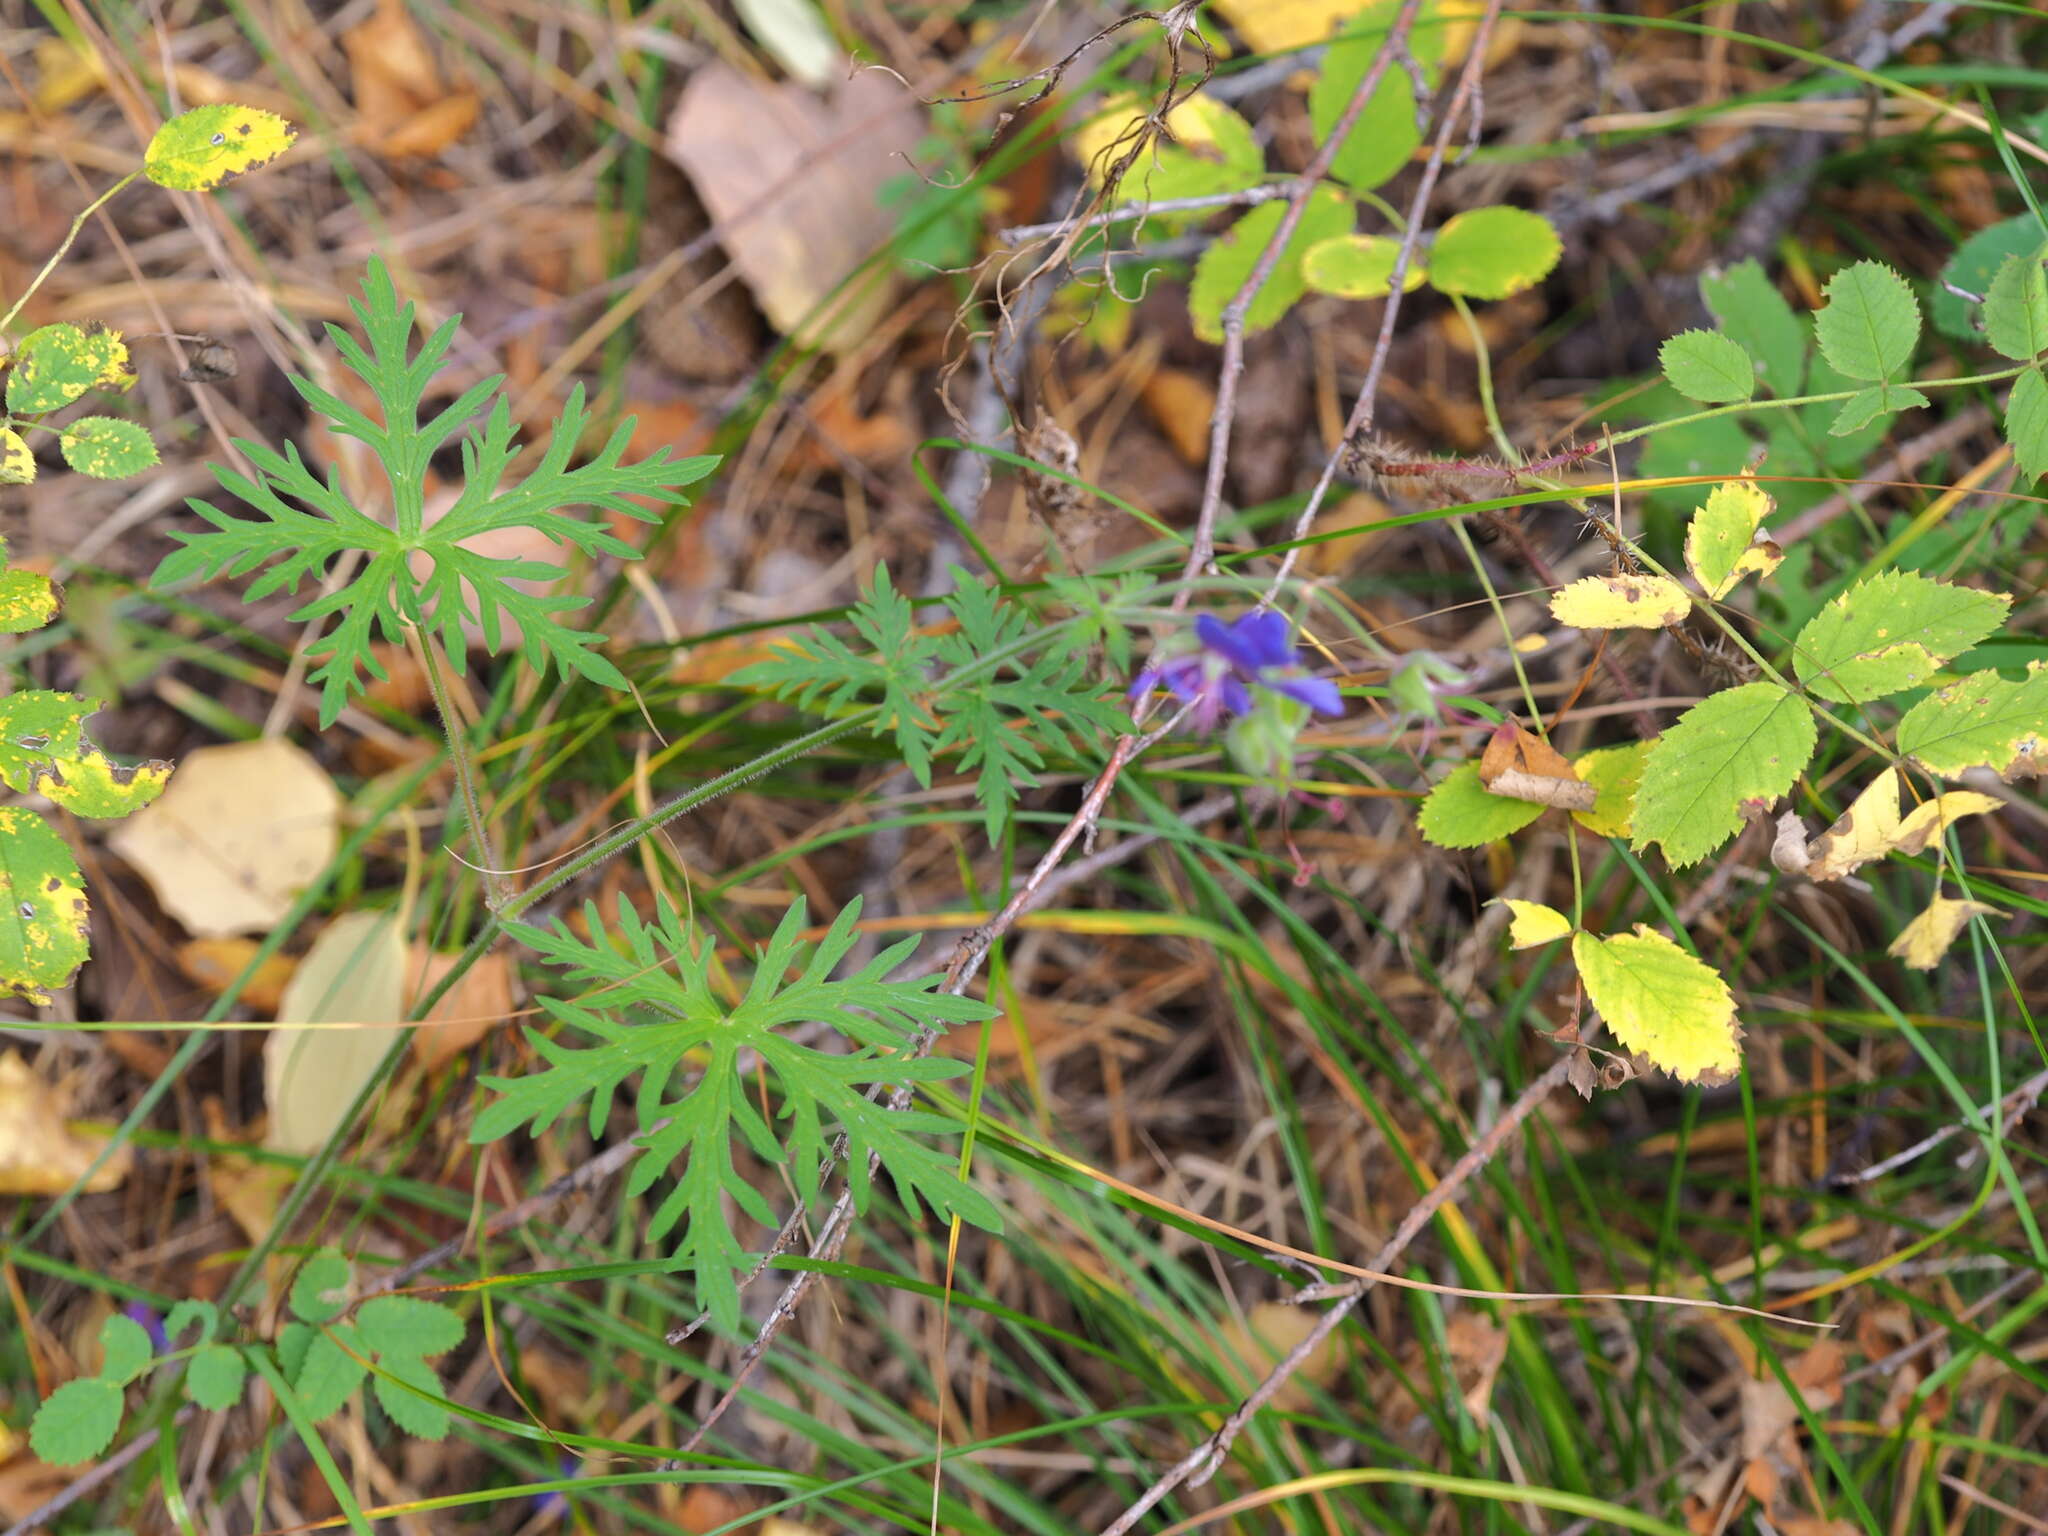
[(652, 206)]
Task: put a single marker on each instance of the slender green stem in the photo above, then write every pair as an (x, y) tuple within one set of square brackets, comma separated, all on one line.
[(1999, 376), (428, 652), (57, 255)]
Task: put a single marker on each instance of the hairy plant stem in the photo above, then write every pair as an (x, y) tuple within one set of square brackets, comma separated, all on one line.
[(430, 654)]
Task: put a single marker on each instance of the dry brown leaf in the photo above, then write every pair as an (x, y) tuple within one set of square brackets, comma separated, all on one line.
[(1479, 1347), (353, 975), (403, 108), (39, 1153), (241, 830), (792, 182), (213, 963), (1261, 1340), (1181, 403), (474, 1006), (1521, 765)]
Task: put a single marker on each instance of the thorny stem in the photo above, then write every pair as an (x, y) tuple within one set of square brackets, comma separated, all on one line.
[(1203, 548), (57, 255)]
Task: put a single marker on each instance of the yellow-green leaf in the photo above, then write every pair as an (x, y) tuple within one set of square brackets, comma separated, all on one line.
[(1614, 773), (43, 751), (1891, 632), (54, 365), (204, 147), (1359, 267), (1621, 602), (43, 927), (1661, 1002), (1923, 941), (17, 463), (27, 601), (1721, 545), (1531, 923), (1982, 721), (1460, 813), (1227, 264), (106, 447), (1491, 253), (1742, 745)]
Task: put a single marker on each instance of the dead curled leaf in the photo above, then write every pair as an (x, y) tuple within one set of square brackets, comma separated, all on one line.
[(1520, 765), (39, 1153), (1871, 828), (404, 110)]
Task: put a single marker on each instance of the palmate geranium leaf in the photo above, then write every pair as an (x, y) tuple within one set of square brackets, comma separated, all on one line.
[(417, 572), (694, 1056)]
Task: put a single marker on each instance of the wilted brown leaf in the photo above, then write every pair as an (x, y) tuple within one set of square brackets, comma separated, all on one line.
[(474, 1006), (39, 1153), (404, 110)]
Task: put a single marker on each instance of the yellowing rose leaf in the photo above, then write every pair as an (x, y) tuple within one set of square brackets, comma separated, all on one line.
[(1621, 602), (1661, 1003), (1721, 543), (1531, 923), (1871, 827), (1614, 773), (204, 147), (1923, 941)]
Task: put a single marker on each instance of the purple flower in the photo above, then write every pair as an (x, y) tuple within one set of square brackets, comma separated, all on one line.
[(145, 1316), (1252, 651)]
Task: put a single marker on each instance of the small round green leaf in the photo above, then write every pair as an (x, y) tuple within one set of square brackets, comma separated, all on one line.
[(215, 1378), (125, 1349), (1708, 367), (185, 1313), (1491, 253), (1871, 322), (43, 929), (76, 1422), (1227, 264), (17, 462), (107, 448), (408, 1325), (1359, 267), (204, 147)]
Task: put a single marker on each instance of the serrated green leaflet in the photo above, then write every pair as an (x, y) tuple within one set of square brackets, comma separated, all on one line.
[(43, 751), (408, 1325), (1460, 812), (214, 1379), (404, 1385), (1493, 253), (1866, 405), (1720, 541), (27, 601), (306, 525), (1660, 1002), (1974, 265), (320, 1290), (43, 927), (659, 977), (76, 1422), (1871, 323), (106, 447), (2026, 423), (1748, 743), (56, 364), (1750, 311), (1891, 633), (2016, 308), (1982, 721), (1708, 367), (1228, 262), (204, 147)]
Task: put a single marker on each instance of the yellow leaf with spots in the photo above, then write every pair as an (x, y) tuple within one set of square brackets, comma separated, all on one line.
[(17, 463), (27, 601), (106, 448), (43, 928), (1871, 827), (1721, 542), (1661, 1002), (1531, 923), (1621, 602), (44, 751), (1923, 941), (204, 147), (1615, 774)]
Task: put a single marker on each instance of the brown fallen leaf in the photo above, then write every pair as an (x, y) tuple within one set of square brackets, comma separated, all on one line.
[(404, 110), (474, 1006), (1521, 765), (1267, 1335), (39, 1153), (1181, 404), (213, 963), (792, 181)]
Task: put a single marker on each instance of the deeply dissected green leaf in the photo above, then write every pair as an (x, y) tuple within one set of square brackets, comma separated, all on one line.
[(17, 462), (1385, 135), (1492, 253), (1890, 633), (1461, 813), (1750, 311), (44, 931), (1225, 267), (76, 1422), (2016, 307), (214, 1379), (1983, 721), (1871, 322), (1359, 267), (204, 147), (1744, 744), (2026, 423), (1708, 367), (106, 447), (43, 751), (1661, 1002), (306, 525), (664, 1009)]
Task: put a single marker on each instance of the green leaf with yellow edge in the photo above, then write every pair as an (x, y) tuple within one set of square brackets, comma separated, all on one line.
[(17, 462), (1359, 267), (1982, 721), (1620, 602), (1721, 545), (106, 447), (1493, 253), (204, 147), (27, 601), (1615, 773), (1461, 813), (1708, 367), (43, 751), (43, 928), (1743, 744), (55, 364), (1209, 149), (1661, 1003), (1228, 262), (1531, 923), (1891, 633)]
